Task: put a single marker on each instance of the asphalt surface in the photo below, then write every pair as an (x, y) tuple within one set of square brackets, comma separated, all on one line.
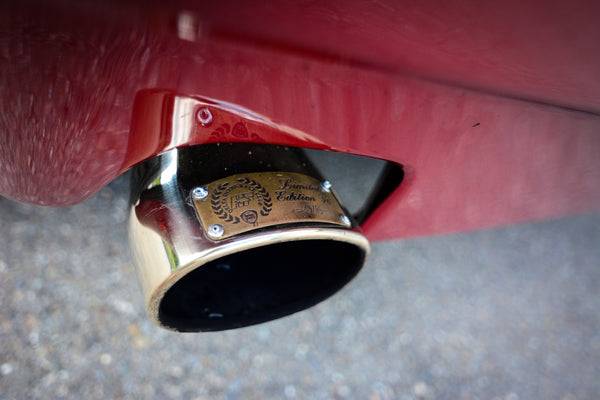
[(510, 313)]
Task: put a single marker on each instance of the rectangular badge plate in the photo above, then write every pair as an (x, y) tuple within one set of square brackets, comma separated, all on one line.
[(245, 202)]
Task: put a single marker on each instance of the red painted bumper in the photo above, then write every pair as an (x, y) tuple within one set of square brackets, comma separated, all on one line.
[(493, 110)]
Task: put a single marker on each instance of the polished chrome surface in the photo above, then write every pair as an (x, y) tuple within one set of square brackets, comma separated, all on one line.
[(192, 282)]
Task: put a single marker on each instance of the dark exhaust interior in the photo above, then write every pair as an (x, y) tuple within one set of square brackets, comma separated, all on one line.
[(259, 284)]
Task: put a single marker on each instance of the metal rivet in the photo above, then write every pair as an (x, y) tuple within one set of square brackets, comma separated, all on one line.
[(326, 186), (345, 220), (204, 116), (200, 193), (216, 231)]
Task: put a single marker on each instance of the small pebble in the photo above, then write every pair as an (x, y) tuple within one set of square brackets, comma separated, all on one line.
[(290, 391), (421, 390), (6, 369), (105, 359)]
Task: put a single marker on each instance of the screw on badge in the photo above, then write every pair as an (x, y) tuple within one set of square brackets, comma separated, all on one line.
[(204, 116), (345, 220), (215, 231), (326, 186), (200, 193)]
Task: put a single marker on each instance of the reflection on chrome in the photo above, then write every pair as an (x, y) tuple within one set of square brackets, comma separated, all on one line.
[(173, 120)]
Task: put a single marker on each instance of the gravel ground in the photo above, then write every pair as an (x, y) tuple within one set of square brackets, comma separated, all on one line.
[(511, 313)]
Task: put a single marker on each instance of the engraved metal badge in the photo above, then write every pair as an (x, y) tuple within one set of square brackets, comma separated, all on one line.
[(244, 202)]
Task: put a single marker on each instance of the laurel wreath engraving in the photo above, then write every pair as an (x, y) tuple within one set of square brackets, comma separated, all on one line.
[(219, 199), (217, 206)]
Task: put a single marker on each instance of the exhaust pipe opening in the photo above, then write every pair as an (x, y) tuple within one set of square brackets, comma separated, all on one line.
[(230, 235), (259, 284)]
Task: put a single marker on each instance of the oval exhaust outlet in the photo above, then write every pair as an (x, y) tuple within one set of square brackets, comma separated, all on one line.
[(230, 235)]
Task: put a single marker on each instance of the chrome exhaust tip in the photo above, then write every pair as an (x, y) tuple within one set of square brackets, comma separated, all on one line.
[(230, 235)]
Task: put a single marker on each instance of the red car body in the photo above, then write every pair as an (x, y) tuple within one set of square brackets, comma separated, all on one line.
[(491, 108)]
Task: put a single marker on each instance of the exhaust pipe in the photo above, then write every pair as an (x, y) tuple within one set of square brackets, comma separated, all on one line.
[(230, 235)]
